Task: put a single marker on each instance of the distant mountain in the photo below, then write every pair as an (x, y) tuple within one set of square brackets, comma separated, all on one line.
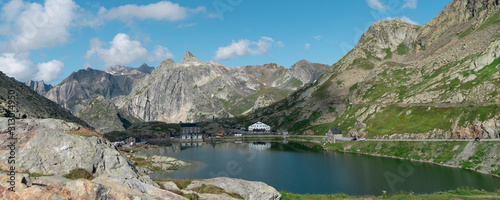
[(439, 80), (39, 86), (29, 104), (74, 92), (194, 90)]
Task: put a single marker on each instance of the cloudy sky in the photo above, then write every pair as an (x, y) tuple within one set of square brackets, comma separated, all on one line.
[(47, 40)]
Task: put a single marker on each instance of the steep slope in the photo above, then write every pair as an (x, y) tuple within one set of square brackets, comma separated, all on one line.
[(39, 86), (103, 115), (402, 80), (29, 104), (74, 92), (194, 90)]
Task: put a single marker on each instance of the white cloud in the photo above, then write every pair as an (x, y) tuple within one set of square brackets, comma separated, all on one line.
[(412, 4), (245, 47), (377, 5), (317, 37), (163, 10), (23, 69), (49, 71), (123, 51), (307, 46), (404, 18), (33, 26), (280, 44), (186, 25), (213, 15), (15, 67), (161, 53)]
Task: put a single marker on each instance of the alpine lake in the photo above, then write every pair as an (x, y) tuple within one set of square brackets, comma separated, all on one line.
[(306, 168)]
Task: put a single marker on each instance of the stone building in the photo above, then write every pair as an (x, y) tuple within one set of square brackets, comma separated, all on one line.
[(334, 134)]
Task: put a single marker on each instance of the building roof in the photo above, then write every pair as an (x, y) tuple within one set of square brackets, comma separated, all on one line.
[(190, 125), (259, 122), (335, 130)]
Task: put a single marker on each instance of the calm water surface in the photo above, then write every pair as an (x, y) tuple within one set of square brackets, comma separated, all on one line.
[(300, 168)]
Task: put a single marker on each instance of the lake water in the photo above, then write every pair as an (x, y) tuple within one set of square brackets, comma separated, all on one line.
[(302, 168)]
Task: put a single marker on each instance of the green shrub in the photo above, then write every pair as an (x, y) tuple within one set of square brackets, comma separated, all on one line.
[(388, 53), (402, 49), (79, 173)]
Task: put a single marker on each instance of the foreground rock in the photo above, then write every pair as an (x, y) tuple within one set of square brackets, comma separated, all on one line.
[(104, 187), (155, 163), (247, 189)]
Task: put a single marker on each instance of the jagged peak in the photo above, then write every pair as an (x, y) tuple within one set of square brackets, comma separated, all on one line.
[(189, 58)]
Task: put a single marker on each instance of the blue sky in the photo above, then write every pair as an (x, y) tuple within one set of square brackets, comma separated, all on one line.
[(50, 39)]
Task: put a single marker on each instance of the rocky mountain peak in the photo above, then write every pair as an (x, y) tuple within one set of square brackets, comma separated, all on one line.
[(39, 86), (146, 68), (189, 58), (388, 34)]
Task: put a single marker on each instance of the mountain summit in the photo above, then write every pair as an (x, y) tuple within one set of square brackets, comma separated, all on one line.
[(190, 59)]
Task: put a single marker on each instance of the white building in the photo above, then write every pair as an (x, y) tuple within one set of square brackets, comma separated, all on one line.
[(259, 126)]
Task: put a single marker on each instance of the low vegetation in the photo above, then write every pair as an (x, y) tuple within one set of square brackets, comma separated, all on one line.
[(210, 189), (79, 173), (436, 152), (452, 194), (85, 133), (402, 49)]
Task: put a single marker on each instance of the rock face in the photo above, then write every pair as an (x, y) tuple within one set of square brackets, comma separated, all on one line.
[(39, 86), (449, 63), (29, 104), (103, 115), (74, 92), (194, 90)]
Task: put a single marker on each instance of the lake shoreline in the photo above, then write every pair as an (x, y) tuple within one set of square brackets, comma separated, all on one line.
[(378, 154)]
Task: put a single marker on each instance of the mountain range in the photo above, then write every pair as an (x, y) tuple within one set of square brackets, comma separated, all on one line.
[(438, 80)]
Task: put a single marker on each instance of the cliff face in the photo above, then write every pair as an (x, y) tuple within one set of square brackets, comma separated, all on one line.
[(194, 90), (405, 79), (74, 92)]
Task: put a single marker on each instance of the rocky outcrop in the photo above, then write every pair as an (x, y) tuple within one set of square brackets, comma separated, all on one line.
[(482, 129), (39, 86), (50, 146), (247, 189)]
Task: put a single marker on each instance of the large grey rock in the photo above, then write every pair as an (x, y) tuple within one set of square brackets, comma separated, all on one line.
[(57, 187), (54, 147), (249, 190)]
